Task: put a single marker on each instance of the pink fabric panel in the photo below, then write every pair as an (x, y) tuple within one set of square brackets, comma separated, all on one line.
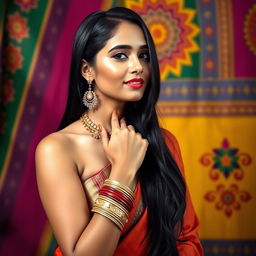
[(245, 60)]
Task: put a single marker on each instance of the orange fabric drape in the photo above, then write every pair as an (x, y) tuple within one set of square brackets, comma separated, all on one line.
[(133, 244)]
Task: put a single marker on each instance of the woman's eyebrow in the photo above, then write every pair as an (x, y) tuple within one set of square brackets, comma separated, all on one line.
[(124, 46)]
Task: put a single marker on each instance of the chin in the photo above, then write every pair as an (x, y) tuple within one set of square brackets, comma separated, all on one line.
[(135, 98)]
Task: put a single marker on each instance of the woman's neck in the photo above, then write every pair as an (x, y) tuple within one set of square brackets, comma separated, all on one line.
[(102, 115)]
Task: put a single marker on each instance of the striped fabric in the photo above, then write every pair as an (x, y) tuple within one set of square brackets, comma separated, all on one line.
[(94, 183)]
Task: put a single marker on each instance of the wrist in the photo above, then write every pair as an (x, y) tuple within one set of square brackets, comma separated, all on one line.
[(123, 175)]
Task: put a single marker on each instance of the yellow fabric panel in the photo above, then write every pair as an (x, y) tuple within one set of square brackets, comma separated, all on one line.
[(200, 135)]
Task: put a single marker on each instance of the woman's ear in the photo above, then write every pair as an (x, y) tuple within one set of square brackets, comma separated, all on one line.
[(86, 70)]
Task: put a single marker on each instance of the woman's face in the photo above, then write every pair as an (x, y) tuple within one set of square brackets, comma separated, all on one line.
[(121, 69)]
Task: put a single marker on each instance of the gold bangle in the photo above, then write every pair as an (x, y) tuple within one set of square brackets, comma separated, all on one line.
[(131, 197), (120, 186), (110, 212), (102, 199), (123, 216), (110, 208), (117, 183)]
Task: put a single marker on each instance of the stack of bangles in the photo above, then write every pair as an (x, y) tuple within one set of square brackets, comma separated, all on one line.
[(114, 201)]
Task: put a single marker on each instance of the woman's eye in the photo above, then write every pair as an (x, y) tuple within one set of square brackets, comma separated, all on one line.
[(145, 56), (120, 56)]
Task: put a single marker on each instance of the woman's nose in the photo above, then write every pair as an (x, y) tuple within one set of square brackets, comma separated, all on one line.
[(135, 65)]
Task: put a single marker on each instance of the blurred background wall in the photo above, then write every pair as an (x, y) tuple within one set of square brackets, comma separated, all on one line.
[(207, 57)]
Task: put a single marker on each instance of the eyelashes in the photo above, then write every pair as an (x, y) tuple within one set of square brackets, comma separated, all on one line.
[(145, 56), (122, 56)]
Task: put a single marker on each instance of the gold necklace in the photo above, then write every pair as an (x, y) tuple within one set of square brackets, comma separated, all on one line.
[(90, 126)]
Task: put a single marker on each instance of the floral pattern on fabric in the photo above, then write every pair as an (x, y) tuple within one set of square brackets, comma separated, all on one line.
[(13, 58), (17, 27), (228, 199), (26, 5)]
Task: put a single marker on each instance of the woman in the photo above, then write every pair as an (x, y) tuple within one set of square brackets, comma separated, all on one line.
[(137, 203)]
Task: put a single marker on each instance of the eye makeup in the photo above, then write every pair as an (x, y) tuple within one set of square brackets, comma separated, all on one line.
[(125, 54)]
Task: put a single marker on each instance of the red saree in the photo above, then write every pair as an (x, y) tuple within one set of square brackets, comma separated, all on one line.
[(131, 242)]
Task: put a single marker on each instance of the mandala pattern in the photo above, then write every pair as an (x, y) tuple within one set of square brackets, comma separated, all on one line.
[(250, 29), (26, 5), (13, 58), (226, 160), (227, 199), (8, 90), (173, 32), (17, 27)]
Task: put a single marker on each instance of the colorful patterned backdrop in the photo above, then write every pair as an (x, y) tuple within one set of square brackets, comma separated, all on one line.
[(207, 57)]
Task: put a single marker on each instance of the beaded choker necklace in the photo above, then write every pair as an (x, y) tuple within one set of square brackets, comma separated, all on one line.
[(90, 126)]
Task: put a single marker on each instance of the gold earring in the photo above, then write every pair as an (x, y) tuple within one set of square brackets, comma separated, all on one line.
[(90, 99)]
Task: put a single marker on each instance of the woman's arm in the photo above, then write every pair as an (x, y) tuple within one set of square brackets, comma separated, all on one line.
[(65, 203), (190, 221), (63, 195)]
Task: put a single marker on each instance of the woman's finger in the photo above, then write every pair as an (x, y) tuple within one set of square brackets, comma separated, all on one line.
[(130, 128), (139, 135), (114, 121), (123, 123), (104, 137)]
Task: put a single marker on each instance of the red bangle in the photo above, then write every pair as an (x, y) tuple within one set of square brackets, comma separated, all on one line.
[(117, 196), (117, 191), (120, 194), (118, 200)]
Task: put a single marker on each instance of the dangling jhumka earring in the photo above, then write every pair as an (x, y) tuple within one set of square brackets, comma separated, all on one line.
[(90, 99)]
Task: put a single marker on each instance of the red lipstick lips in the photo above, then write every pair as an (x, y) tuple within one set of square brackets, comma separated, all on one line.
[(135, 83)]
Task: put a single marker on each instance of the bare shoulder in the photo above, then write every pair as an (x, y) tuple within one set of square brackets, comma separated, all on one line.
[(60, 142), (53, 155), (72, 149), (55, 143)]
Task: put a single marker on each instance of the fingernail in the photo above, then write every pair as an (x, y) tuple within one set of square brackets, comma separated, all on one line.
[(123, 119), (100, 128), (116, 112)]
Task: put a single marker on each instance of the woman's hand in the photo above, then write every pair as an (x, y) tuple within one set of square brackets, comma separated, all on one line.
[(125, 150)]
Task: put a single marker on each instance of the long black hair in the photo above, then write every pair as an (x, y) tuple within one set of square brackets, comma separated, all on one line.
[(163, 188)]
